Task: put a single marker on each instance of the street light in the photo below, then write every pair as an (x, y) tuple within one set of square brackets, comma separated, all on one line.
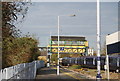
[(58, 72), (98, 41)]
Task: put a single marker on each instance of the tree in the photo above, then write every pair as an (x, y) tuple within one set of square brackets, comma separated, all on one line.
[(16, 48), (10, 13), (103, 49)]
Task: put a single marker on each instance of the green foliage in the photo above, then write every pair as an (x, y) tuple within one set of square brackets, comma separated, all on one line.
[(54, 57), (15, 48), (10, 13), (75, 67), (19, 50)]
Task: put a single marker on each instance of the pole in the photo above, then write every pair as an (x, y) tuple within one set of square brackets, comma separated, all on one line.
[(108, 73), (47, 58), (50, 48), (107, 64), (58, 46), (58, 65), (98, 40)]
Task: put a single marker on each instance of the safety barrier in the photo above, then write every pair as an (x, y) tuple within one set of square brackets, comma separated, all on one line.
[(21, 71)]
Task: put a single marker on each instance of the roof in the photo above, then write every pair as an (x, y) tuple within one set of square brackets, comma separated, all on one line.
[(68, 38)]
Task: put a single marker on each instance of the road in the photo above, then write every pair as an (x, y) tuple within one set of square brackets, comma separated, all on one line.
[(49, 74)]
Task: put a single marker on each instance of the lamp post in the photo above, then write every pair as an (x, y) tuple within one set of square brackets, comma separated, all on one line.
[(58, 72), (98, 41)]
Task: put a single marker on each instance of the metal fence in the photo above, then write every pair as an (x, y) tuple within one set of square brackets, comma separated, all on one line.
[(21, 71)]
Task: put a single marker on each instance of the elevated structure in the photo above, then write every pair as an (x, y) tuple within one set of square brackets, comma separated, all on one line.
[(68, 45), (113, 43)]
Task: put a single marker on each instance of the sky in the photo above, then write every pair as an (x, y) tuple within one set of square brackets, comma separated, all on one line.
[(73, 0), (41, 20), (62, 0)]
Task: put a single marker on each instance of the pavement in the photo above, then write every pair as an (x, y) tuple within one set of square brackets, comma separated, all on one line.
[(49, 74)]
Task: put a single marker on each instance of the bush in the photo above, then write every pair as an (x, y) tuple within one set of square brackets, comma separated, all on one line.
[(15, 48), (19, 50)]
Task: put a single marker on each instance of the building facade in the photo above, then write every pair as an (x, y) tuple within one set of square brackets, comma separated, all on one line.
[(69, 45), (90, 51), (113, 43)]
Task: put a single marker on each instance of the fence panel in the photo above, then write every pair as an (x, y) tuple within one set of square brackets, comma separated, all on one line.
[(21, 71)]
